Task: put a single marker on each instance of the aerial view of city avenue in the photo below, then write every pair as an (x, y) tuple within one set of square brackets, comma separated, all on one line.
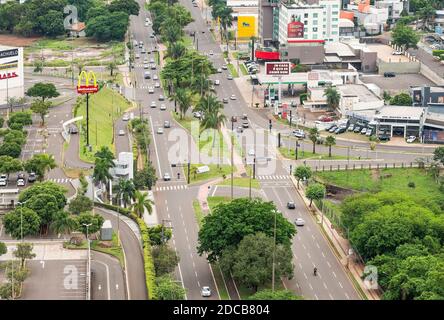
[(222, 150)]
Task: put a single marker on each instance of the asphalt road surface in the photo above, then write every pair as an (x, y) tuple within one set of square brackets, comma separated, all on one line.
[(107, 279)]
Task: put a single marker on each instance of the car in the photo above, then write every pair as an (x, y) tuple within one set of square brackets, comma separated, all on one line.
[(384, 137), (32, 177), (155, 77), (161, 98), (299, 133), (143, 50), (240, 129), (245, 124), (357, 129), (163, 107), (364, 130), (73, 130), (351, 127), (411, 139), (340, 130), (147, 75), (251, 152), (224, 67), (233, 97), (216, 82), (152, 35), (397, 53), (152, 60), (291, 205), (146, 24), (197, 114), (146, 66), (244, 116), (329, 127), (3, 179), (125, 117), (153, 104), (333, 129), (137, 56), (369, 132), (153, 66), (230, 77), (145, 61), (157, 85), (121, 132), (389, 74), (166, 124), (299, 222), (150, 90), (211, 52), (225, 100), (20, 182), (166, 176), (205, 291), (219, 70), (159, 130)]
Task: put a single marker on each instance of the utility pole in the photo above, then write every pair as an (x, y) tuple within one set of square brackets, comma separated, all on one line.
[(233, 120), (274, 252)]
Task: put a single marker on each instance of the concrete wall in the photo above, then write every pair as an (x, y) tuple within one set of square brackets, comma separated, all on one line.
[(307, 54), (368, 61), (399, 67), (431, 75)]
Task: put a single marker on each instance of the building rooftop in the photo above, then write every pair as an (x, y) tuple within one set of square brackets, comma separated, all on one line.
[(338, 48), (357, 90), (400, 112)]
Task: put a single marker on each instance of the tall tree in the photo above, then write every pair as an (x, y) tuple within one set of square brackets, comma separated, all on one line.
[(24, 252), (165, 259), (182, 97), (26, 221), (405, 37), (63, 223), (125, 191), (302, 173), (43, 91), (41, 107), (329, 142), (333, 97), (315, 191), (313, 135), (142, 203), (40, 164), (168, 289)]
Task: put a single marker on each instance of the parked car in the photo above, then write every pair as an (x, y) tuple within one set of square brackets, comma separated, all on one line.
[(411, 139), (397, 53), (3, 180), (21, 182), (32, 177), (364, 130), (369, 132), (159, 130), (332, 129), (340, 130), (351, 127), (357, 129), (299, 133), (384, 137), (121, 132), (197, 114), (389, 74), (291, 205), (205, 291), (299, 222)]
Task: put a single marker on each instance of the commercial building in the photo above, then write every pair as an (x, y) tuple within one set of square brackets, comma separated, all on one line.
[(430, 97), (372, 18), (11, 73), (299, 29), (123, 166), (350, 51)]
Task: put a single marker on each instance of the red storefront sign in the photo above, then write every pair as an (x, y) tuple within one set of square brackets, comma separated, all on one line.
[(277, 68), (8, 75), (267, 55), (295, 29)]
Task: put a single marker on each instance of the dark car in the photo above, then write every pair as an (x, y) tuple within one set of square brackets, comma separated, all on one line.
[(291, 205), (389, 74), (340, 130), (333, 129), (357, 129), (384, 137), (32, 177), (73, 130)]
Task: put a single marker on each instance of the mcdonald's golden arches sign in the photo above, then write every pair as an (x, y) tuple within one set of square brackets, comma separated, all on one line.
[(90, 84)]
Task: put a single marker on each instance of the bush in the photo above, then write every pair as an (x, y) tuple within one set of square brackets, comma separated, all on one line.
[(150, 273), (303, 97), (411, 184), (437, 53), (2, 122), (124, 211)]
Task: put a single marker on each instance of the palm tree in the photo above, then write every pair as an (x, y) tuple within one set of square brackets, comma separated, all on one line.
[(175, 50), (207, 104), (226, 21), (213, 120), (330, 141), (333, 97), (106, 154), (313, 135), (193, 171), (101, 172), (63, 223), (182, 97), (126, 191), (426, 14), (141, 202), (44, 162)]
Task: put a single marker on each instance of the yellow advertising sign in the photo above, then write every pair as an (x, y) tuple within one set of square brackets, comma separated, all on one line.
[(246, 26), (90, 85)]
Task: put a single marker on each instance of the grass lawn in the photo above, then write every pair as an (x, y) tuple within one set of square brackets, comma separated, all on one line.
[(233, 70), (101, 114), (198, 212), (241, 182), (188, 42), (214, 201), (214, 172), (243, 69), (308, 155), (386, 180)]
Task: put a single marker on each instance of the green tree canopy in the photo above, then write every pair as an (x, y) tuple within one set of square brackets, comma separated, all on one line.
[(168, 289), (268, 294), (159, 234), (302, 173), (43, 91), (230, 222), (402, 99), (80, 204), (315, 191), (405, 37), (13, 222), (86, 218), (45, 188), (165, 259)]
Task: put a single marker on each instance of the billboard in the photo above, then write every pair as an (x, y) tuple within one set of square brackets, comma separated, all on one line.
[(277, 68), (11, 73), (295, 29), (246, 26), (90, 85)]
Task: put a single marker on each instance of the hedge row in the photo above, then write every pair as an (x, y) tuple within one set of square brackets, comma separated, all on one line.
[(150, 273), (124, 211), (437, 53)]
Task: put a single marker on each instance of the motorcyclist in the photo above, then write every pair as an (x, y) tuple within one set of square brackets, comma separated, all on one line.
[(315, 271)]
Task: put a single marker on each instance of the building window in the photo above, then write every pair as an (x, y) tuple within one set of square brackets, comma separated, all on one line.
[(305, 15), (334, 19), (335, 13), (305, 22), (315, 37), (315, 22), (315, 15), (334, 32), (315, 29)]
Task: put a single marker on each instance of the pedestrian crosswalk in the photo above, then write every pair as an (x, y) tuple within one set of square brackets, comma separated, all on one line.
[(172, 188), (61, 180), (274, 177)]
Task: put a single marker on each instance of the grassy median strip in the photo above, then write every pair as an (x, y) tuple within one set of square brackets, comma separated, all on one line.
[(290, 154), (241, 182), (233, 70), (243, 69), (215, 171), (104, 107)]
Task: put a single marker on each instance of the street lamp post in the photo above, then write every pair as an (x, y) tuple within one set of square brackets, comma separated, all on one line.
[(89, 259), (233, 120), (274, 252)]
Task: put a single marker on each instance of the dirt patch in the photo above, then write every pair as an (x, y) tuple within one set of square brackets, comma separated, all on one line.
[(375, 174), (16, 41)]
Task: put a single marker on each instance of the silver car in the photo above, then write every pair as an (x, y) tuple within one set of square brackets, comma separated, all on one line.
[(299, 222), (205, 291)]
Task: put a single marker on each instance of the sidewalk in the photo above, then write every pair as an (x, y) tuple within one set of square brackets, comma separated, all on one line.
[(340, 246)]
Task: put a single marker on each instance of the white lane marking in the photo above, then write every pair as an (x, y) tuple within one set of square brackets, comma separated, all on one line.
[(155, 147), (107, 278), (316, 297), (325, 286), (300, 265), (303, 246), (305, 275), (334, 274), (340, 284), (323, 254), (331, 297), (181, 280), (214, 191), (317, 245), (308, 254), (310, 286), (347, 296), (329, 265)]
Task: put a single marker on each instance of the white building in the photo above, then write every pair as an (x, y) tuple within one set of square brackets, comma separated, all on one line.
[(11, 73), (124, 167)]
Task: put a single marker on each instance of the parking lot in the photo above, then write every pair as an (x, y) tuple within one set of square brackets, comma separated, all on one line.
[(399, 83), (385, 53)]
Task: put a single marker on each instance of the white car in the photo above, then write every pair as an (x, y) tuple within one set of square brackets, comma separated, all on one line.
[(411, 139), (397, 53), (146, 66), (166, 176), (20, 182), (230, 77), (205, 291), (299, 222), (197, 114), (224, 67), (155, 77), (121, 132), (153, 104), (219, 70), (125, 117), (159, 130), (150, 90), (211, 52), (146, 24), (233, 97), (3, 181), (216, 82), (163, 107), (251, 152), (157, 85)]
